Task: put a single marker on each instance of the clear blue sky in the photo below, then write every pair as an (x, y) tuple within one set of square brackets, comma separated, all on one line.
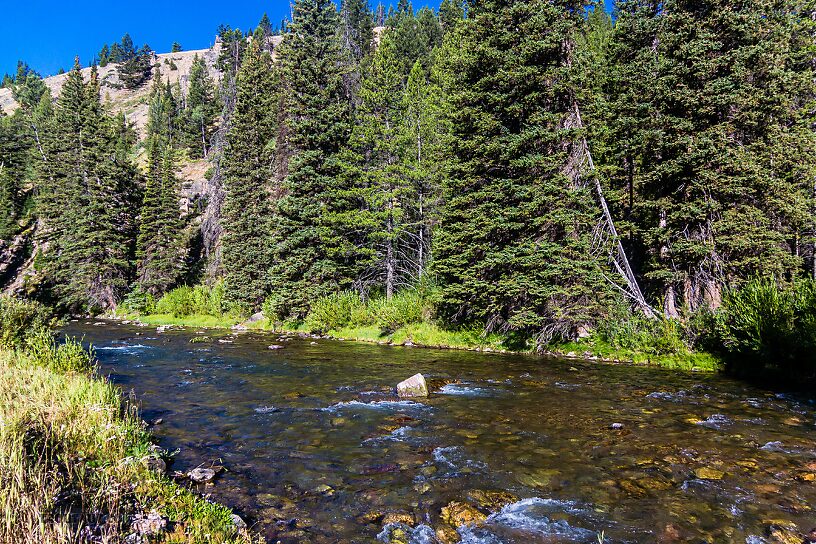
[(49, 33)]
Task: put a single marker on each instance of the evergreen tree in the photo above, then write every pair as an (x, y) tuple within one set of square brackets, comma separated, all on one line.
[(317, 126), (450, 13), (104, 56), (135, 68), (85, 208), (15, 148), (160, 251), (357, 27), (248, 188), (710, 142), (201, 109), (513, 249), (176, 47)]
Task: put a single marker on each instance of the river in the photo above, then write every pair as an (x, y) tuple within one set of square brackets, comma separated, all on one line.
[(317, 448)]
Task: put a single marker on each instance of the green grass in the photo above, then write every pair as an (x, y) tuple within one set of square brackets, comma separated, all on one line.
[(681, 360), (72, 451), (194, 321)]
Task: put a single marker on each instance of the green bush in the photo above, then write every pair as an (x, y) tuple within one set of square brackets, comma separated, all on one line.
[(347, 309), (762, 328), (69, 356), (139, 302), (18, 318), (404, 308), (336, 311), (626, 330), (199, 300)]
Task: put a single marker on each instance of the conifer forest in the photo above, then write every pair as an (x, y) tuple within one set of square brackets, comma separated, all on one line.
[(535, 169)]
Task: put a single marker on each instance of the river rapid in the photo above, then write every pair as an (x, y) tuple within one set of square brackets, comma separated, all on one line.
[(317, 447)]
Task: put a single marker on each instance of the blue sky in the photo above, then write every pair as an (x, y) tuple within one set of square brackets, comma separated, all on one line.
[(49, 33)]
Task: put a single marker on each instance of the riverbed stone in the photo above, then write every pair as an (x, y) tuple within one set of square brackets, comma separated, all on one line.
[(238, 522), (492, 500), (707, 473), (398, 517), (148, 524), (784, 534), (415, 386), (201, 475), (446, 534), (461, 513)]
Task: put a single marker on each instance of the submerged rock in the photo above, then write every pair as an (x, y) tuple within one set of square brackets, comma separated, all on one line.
[(461, 513), (787, 534), (415, 386), (492, 500), (446, 534), (275, 346), (238, 522), (398, 517), (706, 473)]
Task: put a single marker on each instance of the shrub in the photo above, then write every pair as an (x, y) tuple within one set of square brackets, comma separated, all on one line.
[(336, 311), (139, 302), (199, 300), (404, 308), (763, 328), (20, 317), (69, 356), (625, 330)]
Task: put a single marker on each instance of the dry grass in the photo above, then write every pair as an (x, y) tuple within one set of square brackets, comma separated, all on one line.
[(70, 468)]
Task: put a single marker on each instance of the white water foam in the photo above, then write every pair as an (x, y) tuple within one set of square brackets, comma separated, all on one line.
[(466, 390), (377, 405), (421, 534), (529, 516)]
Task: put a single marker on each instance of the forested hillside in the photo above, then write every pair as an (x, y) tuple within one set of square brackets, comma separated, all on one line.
[(531, 168)]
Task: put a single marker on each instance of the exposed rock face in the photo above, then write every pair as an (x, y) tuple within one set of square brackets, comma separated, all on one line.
[(414, 386), (150, 524)]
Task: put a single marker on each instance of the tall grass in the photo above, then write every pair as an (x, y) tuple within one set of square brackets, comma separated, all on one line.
[(347, 310), (70, 452), (763, 328), (198, 300)]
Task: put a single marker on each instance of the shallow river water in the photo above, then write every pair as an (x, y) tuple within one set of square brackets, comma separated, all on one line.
[(317, 448)]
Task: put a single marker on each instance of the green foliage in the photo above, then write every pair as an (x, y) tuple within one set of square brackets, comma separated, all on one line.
[(347, 310), (316, 113), (187, 301), (763, 328), (514, 249), (18, 318), (87, 208), (67, 356), (248, 184), (139, 302), (625, 330)]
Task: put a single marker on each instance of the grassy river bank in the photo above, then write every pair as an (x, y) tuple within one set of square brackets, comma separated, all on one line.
[(76, 461)]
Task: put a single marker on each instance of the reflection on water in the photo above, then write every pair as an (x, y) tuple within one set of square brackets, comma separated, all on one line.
[(318, 449)]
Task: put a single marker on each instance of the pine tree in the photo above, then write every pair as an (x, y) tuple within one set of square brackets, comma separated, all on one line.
[(85, 208), (513, 248), (317, 126), (451, 13), (160, 251), (707, 127), (200, 109), (247, 254), (176, 47), (357, 27), (15, 149)]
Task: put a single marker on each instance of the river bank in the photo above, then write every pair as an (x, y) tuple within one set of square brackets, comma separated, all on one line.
[(429, 335), (78, 463)]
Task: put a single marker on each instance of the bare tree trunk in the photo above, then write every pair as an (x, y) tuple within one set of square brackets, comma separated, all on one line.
[(670, 294), (389, 253)]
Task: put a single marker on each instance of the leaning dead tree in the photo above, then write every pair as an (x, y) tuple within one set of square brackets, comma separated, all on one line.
[(582, 172)]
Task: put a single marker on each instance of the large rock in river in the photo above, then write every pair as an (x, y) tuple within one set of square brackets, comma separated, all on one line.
[(414, 386)]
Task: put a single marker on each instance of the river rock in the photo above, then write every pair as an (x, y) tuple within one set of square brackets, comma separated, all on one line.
[(706, 473), (154, 463), (787, 534), (275, 346), (398, 517), (238, 522), (461, 513), (414, 386), (201, 475), (446, 534), (616, 426), (492, 500), (150, 524)]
